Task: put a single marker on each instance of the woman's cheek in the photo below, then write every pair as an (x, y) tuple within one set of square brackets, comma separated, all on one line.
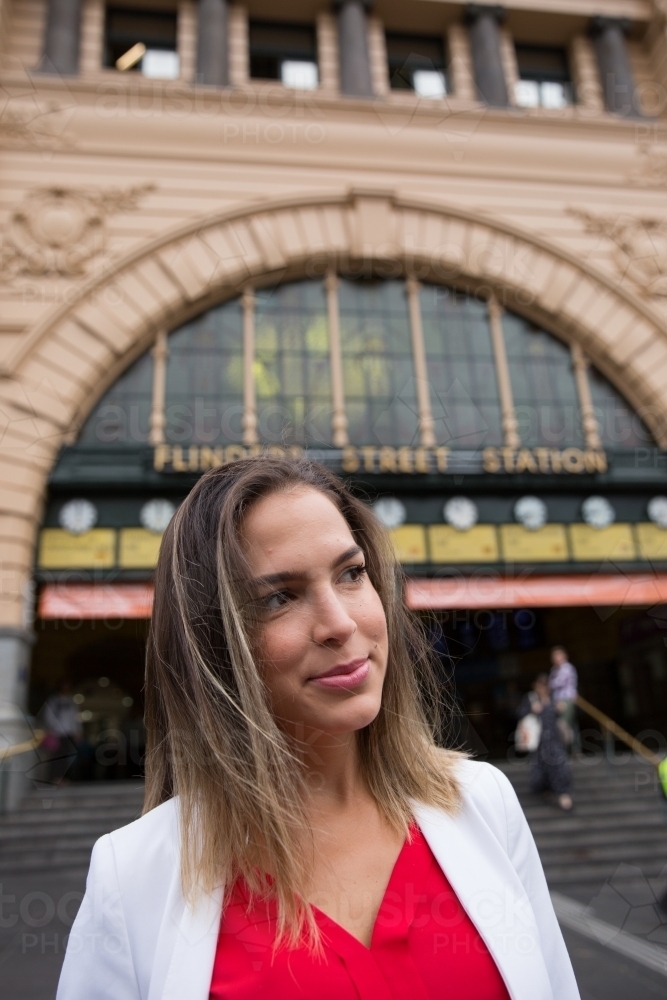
[(371, 619), (280, 651)]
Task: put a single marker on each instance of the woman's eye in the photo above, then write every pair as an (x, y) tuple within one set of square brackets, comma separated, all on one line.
[(354, 573), (272, 602)]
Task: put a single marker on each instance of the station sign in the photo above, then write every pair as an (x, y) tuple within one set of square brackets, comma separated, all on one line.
[(384, 459)]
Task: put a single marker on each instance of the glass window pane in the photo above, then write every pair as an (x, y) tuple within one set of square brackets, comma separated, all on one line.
[(543, 384), (544, 77), (461, 369), (292, 365), (537, 62), (619, 425), (271, 45), (124, 28), (378, 374), (410, 55), (122, 415), (204, 403)]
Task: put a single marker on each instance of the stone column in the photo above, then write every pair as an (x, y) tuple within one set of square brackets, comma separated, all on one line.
[(355, 67), (484, 32), (61, 42), (15, 644), (212, 43), (618, 85)]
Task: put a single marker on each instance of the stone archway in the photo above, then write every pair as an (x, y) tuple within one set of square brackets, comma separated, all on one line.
[(59, 369)]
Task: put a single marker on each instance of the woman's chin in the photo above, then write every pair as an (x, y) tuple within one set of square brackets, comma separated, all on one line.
[(345, 719)]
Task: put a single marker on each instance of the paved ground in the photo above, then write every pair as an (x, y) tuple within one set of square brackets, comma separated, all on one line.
[(603, 975), (36, 913)]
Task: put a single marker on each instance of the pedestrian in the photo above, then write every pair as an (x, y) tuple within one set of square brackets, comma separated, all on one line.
[(62, 731), (550, 769), (563, 681), (303, 834)]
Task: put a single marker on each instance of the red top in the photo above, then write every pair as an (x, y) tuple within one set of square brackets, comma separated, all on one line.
[(424, 947)]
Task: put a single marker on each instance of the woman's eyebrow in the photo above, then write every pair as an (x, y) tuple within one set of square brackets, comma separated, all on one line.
[(287, 576)]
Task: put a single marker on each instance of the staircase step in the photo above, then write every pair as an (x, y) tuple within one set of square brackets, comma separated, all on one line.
[(618, 819), (54, 829)]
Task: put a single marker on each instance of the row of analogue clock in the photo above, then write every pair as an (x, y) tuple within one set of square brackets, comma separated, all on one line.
[(530, 511), (79, 516)]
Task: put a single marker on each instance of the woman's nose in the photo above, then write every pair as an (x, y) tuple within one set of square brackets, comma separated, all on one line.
[(333, 622)]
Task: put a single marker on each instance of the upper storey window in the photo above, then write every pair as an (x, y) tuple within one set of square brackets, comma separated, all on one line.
[(285, 52), (417, 62), (143, 40), (544, 77)]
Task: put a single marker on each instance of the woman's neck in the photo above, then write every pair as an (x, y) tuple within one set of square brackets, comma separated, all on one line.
[(333, 769)]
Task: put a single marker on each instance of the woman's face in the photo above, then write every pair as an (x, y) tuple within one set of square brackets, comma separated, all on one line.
[(322, 634)]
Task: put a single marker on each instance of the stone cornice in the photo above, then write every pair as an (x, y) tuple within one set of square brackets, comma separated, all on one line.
[(313, 106)]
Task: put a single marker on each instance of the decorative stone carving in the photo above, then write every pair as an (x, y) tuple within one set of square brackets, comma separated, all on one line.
[(59, 230), (652, 170), (639, 246)]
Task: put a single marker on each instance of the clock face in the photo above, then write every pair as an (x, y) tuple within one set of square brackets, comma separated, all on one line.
[(461, 513), (657, 511), (390, 511), (598, 512), (156, 515), (78, 516), (531, 512)]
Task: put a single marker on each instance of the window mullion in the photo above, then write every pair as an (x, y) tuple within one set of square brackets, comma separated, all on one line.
[(249, 422), (588, 419), (158, 419), (510, 426), (426, 424), (338, 416)]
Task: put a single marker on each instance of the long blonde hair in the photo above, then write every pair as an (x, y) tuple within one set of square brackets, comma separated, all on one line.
[(212, 738)]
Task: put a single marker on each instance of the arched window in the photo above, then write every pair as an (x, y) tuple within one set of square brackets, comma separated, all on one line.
[(261, 369)]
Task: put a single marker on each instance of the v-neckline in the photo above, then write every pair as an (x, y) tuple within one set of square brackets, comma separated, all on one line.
[(326, 921)]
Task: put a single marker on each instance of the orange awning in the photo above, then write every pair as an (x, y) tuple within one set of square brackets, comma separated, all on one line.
[(597, 590), (96, 600), (135, 600)]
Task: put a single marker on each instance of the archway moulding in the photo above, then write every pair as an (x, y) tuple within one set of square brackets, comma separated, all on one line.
[(60, 368)]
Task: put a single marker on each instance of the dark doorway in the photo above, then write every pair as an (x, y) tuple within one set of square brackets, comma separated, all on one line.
[(494, 655)]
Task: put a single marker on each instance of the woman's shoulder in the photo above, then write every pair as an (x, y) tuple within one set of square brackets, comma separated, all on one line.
[(148, 845), (485, 792), (478, 777)]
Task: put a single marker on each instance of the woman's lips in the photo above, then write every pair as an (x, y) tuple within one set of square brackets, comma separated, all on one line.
[(345, 675)]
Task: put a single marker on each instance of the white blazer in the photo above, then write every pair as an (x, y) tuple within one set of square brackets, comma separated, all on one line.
[(135, 938)]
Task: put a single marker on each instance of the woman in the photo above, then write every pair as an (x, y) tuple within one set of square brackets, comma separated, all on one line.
[(550, 769), (303, 836)]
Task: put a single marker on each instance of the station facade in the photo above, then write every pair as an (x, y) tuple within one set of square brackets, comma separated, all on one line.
[(420, 243)]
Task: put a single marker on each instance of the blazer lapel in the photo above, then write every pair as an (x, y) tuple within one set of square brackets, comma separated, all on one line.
[(490, 891), (186, 947)]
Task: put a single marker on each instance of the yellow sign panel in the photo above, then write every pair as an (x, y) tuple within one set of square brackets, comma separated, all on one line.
[(652, 541), (614, 542), (448, 545), (138, 548), (410, 543), (95, 549), (546, 544)]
